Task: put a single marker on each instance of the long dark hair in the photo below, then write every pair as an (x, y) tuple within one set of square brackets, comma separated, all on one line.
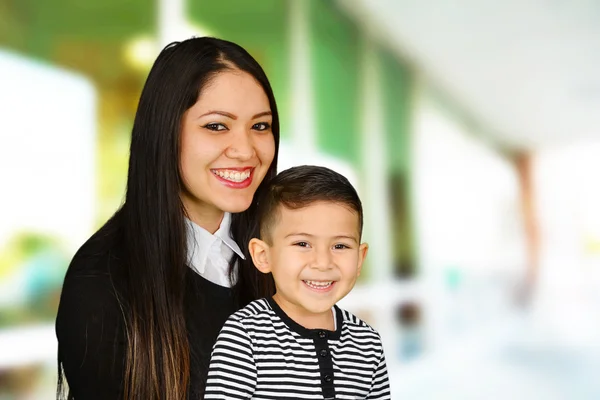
[(157, 364)]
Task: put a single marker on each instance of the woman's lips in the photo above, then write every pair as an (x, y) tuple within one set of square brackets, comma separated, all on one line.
[(237, 178)]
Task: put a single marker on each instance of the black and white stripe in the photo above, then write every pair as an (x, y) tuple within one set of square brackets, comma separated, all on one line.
[(262, 354)]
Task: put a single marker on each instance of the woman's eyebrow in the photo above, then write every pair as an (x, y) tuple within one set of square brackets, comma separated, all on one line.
[(232, 116), (223, 113), (262, 114)]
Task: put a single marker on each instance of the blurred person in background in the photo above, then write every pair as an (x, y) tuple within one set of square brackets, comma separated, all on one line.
[(145, 297)]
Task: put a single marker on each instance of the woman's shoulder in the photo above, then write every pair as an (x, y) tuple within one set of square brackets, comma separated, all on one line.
[(95, 256), (95, 273)]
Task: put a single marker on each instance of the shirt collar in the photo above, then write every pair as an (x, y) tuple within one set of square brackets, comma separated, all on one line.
[(200, 241), (224, 234)]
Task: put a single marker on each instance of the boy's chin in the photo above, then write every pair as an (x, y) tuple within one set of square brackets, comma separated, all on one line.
[(320, 308)]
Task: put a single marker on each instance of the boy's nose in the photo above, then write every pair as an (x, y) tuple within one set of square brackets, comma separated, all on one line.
[(323, 260)]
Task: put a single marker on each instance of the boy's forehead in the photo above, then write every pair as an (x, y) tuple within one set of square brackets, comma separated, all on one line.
[(319, 218)]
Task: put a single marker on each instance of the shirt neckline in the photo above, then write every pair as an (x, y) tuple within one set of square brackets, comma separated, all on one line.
[(305, 332)]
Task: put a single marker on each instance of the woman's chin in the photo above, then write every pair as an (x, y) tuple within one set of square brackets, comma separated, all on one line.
[(235, 206)]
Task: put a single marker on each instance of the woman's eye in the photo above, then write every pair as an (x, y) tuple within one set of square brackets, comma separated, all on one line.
[(213, 126), (261, 126)]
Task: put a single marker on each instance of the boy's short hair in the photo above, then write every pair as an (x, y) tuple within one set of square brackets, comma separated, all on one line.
[(301, 186)]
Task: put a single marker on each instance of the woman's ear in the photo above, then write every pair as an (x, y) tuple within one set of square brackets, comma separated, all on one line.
[(259, 251)]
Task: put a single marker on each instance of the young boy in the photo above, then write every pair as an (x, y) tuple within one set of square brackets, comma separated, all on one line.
[(299, 344)]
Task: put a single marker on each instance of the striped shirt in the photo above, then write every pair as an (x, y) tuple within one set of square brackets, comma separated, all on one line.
[(261, 353)]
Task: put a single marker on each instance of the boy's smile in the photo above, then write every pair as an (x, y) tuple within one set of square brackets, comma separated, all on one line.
[(315, 256), (319, 286)]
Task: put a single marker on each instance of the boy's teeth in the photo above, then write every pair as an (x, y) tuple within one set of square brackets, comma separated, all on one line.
[(318, 285), (234, 176)]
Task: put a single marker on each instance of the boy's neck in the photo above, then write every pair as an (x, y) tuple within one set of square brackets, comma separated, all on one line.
[(305, 318)]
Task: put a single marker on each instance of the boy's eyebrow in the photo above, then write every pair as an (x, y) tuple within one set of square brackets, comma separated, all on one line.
[(353, 238), (298, 234), (346, 237)]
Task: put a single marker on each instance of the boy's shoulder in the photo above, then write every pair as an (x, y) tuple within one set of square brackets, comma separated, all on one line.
[(356, 324), (254, 310)]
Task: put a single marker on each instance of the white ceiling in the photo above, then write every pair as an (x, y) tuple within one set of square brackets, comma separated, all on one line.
[(527, 70)]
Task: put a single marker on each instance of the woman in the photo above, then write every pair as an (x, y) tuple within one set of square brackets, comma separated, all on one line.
[(145, 297)]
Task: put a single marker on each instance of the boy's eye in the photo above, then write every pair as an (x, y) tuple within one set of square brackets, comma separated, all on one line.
[(261, 126), (215, 126), (302, 244), (341, 246)]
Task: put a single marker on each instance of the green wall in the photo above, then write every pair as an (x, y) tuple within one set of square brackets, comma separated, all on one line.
[(335, 55)]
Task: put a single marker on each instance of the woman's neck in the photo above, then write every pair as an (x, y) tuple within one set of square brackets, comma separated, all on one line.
[(207, 219)]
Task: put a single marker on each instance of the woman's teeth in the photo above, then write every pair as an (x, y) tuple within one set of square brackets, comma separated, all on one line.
[(318, 284), (233, 176)]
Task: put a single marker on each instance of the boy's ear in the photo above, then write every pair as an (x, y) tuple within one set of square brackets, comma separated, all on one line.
[(363, 249), (259, 251)]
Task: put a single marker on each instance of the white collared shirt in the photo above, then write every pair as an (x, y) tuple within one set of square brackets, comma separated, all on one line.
[(209, 254)]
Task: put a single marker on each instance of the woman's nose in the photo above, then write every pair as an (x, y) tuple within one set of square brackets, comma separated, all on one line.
[(241, 146)]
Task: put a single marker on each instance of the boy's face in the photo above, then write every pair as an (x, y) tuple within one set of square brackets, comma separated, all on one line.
[(315, 257)]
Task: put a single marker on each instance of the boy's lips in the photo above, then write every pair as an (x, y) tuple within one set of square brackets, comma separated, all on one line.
[(319, 286)]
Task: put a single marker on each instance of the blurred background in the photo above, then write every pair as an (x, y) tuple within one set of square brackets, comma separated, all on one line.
[(470, 128)]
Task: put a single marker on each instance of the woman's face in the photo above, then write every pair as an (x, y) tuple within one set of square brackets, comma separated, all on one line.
[(227, 146)]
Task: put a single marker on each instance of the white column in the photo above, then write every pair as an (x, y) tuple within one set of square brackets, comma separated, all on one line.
[(374, 174), (171, 17), (173, 24), (375, 197)]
